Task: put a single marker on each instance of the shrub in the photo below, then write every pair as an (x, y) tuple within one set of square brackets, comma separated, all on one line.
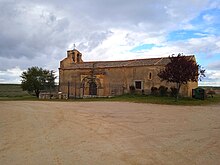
[(132, 89), (154, 91), (163, 90)]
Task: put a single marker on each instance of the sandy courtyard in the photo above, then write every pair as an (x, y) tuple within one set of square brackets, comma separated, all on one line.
[(108, 133)]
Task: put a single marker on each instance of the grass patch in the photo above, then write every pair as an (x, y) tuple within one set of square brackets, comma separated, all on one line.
[(17, 98), (157, 100), (12, 90), (129, 98), (15, 92)]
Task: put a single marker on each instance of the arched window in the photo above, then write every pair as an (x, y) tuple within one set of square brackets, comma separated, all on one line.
[(150, 76), (78, 58), (73, 57)]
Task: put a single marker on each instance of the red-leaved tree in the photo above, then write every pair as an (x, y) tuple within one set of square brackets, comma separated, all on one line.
[(180, 70)]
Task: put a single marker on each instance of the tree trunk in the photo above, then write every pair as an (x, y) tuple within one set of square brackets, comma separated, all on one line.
[(178, 91), (37, 92)]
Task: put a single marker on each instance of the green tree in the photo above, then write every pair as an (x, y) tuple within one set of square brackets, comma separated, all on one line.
[(50, 81), (180, 70), (36, 79)]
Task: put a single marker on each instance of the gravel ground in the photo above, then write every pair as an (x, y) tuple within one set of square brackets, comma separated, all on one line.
[(108, 133)]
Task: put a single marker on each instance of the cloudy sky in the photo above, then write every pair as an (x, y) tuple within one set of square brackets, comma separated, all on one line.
[(39, 32)]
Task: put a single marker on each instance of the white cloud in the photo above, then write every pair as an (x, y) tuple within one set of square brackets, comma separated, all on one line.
[(214, 65), (212, 78), (208, 45), (213, 83), (214, 4), (208, 18), (38, 32), (10, 75)]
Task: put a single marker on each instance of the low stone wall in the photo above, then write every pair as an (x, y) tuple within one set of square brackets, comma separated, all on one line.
[(52, 96)]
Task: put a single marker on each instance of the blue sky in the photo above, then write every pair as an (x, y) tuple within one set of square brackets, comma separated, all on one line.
[(39, 32), (206, 24)]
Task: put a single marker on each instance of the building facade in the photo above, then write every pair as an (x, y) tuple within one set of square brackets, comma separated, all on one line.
[(109, 78)]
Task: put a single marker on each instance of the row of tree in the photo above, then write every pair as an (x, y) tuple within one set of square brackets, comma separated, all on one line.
[(180, 70)]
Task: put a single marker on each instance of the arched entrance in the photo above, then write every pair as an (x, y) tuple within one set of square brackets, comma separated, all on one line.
[(92, 88)]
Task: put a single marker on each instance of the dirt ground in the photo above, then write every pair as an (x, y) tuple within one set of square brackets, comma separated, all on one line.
[(108, 133)]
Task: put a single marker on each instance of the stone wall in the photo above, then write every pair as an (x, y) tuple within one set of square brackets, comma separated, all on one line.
[(115, 81)]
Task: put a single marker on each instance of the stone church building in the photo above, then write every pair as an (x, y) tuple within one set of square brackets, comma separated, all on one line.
[(108, 78)]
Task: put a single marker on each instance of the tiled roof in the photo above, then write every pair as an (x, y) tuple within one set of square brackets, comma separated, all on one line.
[(125, 63)]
